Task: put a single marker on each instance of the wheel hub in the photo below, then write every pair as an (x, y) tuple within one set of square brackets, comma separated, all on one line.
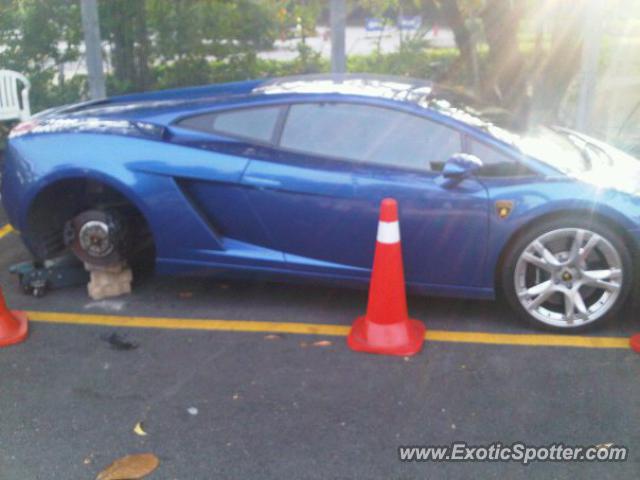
[(566, 272), (95, 238), (568, 275)]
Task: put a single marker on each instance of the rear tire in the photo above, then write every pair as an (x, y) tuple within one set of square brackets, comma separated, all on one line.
[(567, 275)]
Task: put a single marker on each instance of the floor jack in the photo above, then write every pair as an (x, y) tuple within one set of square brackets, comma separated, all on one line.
[(37, 277)]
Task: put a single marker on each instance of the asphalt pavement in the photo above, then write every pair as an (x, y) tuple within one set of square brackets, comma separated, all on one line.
[(242, 404)]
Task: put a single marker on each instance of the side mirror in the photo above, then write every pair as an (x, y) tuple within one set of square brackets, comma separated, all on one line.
[(460, 167)]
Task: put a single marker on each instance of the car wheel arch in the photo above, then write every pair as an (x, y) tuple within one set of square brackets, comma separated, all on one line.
[(595, 216), (74, 185)]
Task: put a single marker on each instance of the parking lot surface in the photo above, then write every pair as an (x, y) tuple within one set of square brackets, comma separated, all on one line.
[(262, 385)]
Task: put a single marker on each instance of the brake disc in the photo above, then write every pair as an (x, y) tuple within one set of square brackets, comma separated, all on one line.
[(96, 237)]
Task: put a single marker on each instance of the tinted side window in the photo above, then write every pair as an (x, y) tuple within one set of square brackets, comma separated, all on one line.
[(371, 134), (496, 163), (253, 123)]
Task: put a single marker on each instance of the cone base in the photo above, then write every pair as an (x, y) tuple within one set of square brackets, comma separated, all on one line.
[(634, 343), (17, 335), (402, 338)]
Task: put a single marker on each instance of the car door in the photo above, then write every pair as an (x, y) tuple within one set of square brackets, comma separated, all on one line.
[(219, 145), (305, 200), (320, 204), (444, 228)]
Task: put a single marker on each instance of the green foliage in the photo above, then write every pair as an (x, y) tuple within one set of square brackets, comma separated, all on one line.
[(183, 72), (408, 61), (157, 44), (208, 28), (188, 72), (37, 38), (297, 17), (182, 42)]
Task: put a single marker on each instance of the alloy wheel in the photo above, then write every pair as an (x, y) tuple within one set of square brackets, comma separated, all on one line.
[(568, 277)]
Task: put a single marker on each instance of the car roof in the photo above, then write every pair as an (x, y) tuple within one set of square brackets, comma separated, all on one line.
[(368, 85), (363, 85), (447, 101)]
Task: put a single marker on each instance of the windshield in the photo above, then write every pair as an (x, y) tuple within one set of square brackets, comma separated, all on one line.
[(568, 151), (556, 149)]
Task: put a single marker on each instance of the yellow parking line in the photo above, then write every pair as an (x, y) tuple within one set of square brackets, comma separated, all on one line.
[(6, 230), (538, 340), (189, 323)]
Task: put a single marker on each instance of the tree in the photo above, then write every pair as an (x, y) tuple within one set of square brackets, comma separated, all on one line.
[(509, 76), (124, 26), (505, 78), (187, 36), (38, 38), (456, 18), (190, 34)]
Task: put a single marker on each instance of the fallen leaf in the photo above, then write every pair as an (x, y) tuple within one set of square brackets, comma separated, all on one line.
[(273, 336), (139, 430), (131, 467), (322, 343), (119, 342), (604, 446)]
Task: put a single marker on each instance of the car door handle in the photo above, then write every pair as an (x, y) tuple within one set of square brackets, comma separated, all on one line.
[(262, 182)]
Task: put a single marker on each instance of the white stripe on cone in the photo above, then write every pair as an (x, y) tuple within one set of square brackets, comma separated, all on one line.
[(388, 232)]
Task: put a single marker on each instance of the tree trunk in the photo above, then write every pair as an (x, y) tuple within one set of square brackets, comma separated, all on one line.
[(452, 15), (123, 59), (505, 80), (131, 47), (143, 48)]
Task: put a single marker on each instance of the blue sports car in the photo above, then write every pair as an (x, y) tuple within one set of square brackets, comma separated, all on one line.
[(283, 178)]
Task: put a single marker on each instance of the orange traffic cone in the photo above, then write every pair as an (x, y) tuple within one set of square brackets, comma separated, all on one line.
[(14, 326), (387, 328)]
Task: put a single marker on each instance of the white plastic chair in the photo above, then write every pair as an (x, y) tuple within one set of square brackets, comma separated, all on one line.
[(14, 103)]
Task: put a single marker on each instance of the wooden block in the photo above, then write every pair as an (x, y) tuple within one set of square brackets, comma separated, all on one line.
[(107, 284)]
